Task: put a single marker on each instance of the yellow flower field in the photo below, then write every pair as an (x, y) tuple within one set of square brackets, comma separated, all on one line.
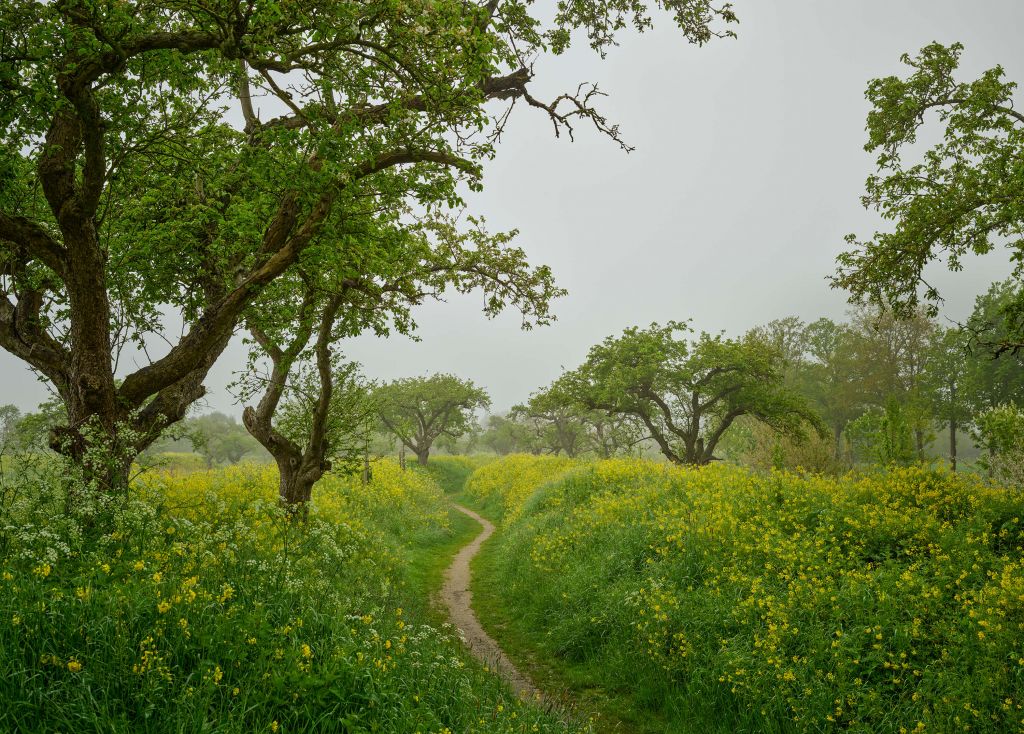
[(886, 602), (197, 605)]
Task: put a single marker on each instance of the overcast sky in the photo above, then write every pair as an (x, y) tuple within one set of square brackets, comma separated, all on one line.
[(747, 173)]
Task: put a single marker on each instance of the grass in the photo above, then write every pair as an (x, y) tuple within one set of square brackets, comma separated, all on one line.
[(427, 561), (573, 684), (722, 600), (196, 605)]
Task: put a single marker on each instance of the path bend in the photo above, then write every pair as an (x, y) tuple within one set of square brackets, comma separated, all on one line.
[(458, 598)]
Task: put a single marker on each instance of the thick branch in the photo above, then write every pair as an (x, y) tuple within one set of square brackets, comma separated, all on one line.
[(35, 240)]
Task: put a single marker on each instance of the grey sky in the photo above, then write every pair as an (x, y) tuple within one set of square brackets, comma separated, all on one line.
[(746, 176)]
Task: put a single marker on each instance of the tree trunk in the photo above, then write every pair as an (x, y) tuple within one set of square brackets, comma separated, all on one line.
[(919, 442), (299, 470), (93, 445), (952, 444), (296, 485), (952, 425), (422, 456), (838, 431)]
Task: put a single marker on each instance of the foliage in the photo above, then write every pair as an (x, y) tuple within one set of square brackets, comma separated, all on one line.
[(504, 435), (733, 601), (999, 432), (883, 437), (419, 410), (687, 394), (995, 378), (757, 446), (128, 194), (202, 607), (220, 439), (349, 418), (554, 420), (963, 195)]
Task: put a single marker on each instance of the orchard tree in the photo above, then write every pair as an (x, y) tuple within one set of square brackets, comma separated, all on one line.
[(506, 435), (138, 177), (554, 421), (337, 293), (218, 438), (418, 410), (688, 392), (559, 423), (964, 195)]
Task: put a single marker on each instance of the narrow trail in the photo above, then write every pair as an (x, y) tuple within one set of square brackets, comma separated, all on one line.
[(457, 598)]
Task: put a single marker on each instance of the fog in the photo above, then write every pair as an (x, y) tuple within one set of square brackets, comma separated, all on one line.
[(747, 173)]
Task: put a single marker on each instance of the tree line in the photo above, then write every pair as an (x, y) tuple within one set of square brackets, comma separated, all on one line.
[(127, 193), (877, 388)]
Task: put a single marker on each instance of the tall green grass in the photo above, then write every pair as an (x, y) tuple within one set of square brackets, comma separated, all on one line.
[(195, 605), (719, 600)]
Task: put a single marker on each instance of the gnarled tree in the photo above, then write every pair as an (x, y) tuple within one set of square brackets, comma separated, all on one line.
[(687, 393), (417, 410), (340, 292), (127, 189)]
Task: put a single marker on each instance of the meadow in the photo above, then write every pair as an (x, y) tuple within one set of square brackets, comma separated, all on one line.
[(196, 604), (717, 599)]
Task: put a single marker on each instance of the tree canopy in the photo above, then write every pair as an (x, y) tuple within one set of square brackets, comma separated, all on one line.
[(138, 173), (963, 195), (687, 392), (419, 410)]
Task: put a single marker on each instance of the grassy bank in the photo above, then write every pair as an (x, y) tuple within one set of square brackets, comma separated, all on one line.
[(720, 600), (196, 606)]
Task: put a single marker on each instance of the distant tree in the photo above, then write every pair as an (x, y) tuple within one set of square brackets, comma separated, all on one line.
[(555, 420), (788, 336), (32, 432), (220, 439), (830, 377), (687, 393), (891, 352), (883, 435), (464, 444), (961, 195), (418, 410), (558, 422), (996, 377), (10, 416), (946, 384), (505, 435)]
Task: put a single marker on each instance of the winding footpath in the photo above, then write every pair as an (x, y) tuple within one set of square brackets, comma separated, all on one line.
[(458, 599)]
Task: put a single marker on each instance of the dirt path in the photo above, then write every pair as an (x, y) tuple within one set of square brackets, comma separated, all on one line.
[(457, 598)]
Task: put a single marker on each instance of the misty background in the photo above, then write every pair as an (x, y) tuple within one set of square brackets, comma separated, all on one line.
[(747, 173)]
